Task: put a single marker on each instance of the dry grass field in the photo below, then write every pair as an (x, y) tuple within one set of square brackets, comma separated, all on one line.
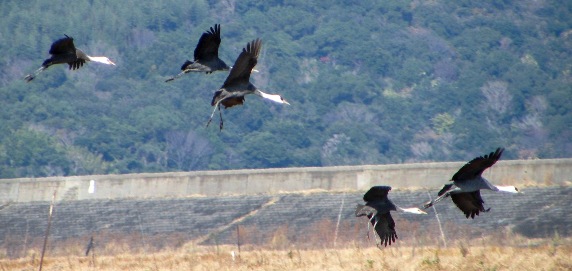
[(315, 247), (546, 256)]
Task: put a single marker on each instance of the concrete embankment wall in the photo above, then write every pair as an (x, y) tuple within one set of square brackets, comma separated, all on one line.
[(268, 181)]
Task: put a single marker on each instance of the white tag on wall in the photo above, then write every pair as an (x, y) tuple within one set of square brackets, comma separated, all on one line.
[(91, 188)]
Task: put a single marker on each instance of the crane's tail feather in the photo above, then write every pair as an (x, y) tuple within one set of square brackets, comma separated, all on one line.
[(31, 77)]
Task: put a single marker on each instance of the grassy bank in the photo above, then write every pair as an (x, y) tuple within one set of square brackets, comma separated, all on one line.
[(545, 257)]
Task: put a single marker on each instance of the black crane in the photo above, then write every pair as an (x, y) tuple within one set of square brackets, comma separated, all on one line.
[(237, 84), (467, 183), (64, 51), (205, 56), (377, 209)]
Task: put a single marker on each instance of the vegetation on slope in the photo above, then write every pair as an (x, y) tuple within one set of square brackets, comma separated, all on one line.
[(369, 82), (346, 258)]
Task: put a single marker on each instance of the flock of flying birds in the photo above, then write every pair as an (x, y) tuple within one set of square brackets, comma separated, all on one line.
[(231, 93), (466, 183), (464, 191)]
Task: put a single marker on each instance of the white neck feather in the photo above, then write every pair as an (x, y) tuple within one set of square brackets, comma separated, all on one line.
[(510, 189), (413, 210), (272, 97), (101, 59)]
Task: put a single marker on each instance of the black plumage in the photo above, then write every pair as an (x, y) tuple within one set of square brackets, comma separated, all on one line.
[(63, 51), (205, 55), (377, 209), (237, 84), (467, 183)]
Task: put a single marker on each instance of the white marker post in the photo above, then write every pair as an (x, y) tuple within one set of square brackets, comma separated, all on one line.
[(91, 188)]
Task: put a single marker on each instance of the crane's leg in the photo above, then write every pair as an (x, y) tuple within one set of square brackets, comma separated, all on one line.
[(369, 223), (440, 198), (432, 202), (220, 114), (179, 75), (31, 77), (375, 235), (176, 76), (214, 110), (216, 106)]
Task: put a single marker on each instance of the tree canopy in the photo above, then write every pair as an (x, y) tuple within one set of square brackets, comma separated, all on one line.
[(369, 82)]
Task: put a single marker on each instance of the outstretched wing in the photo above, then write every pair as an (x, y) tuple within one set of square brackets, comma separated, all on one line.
[(63, 46), (207, 48), (240, 72), (385, 229), (470, 203), (476, 166), (376, 193)]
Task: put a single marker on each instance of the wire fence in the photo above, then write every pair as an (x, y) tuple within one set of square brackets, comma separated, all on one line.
[(289, 221)]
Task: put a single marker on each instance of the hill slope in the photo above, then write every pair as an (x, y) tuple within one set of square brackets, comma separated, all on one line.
[(369, 82)]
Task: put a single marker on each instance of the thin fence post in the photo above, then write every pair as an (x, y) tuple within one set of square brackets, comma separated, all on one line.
[(143, 239), (238, 238), (26, 238), (439, 222), (48, 229), (339, 219), (91, 248)]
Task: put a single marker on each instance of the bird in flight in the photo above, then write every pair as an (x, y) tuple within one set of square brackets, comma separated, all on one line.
[(377, 208), (63, 51), (237, 84), (205, 56), (467, 183)]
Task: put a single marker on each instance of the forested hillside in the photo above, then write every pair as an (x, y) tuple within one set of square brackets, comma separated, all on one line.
[(369, 82)]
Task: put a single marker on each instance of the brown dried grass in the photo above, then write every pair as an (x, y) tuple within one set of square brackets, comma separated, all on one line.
[(189, 257)]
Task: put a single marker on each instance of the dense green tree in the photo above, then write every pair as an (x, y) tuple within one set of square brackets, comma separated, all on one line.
[(369, 82), (29, 152)]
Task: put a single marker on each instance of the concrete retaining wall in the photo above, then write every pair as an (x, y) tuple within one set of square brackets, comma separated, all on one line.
[(257, 181)]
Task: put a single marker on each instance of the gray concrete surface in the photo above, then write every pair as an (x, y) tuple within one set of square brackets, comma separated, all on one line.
[(551, 172), (280, 221)]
